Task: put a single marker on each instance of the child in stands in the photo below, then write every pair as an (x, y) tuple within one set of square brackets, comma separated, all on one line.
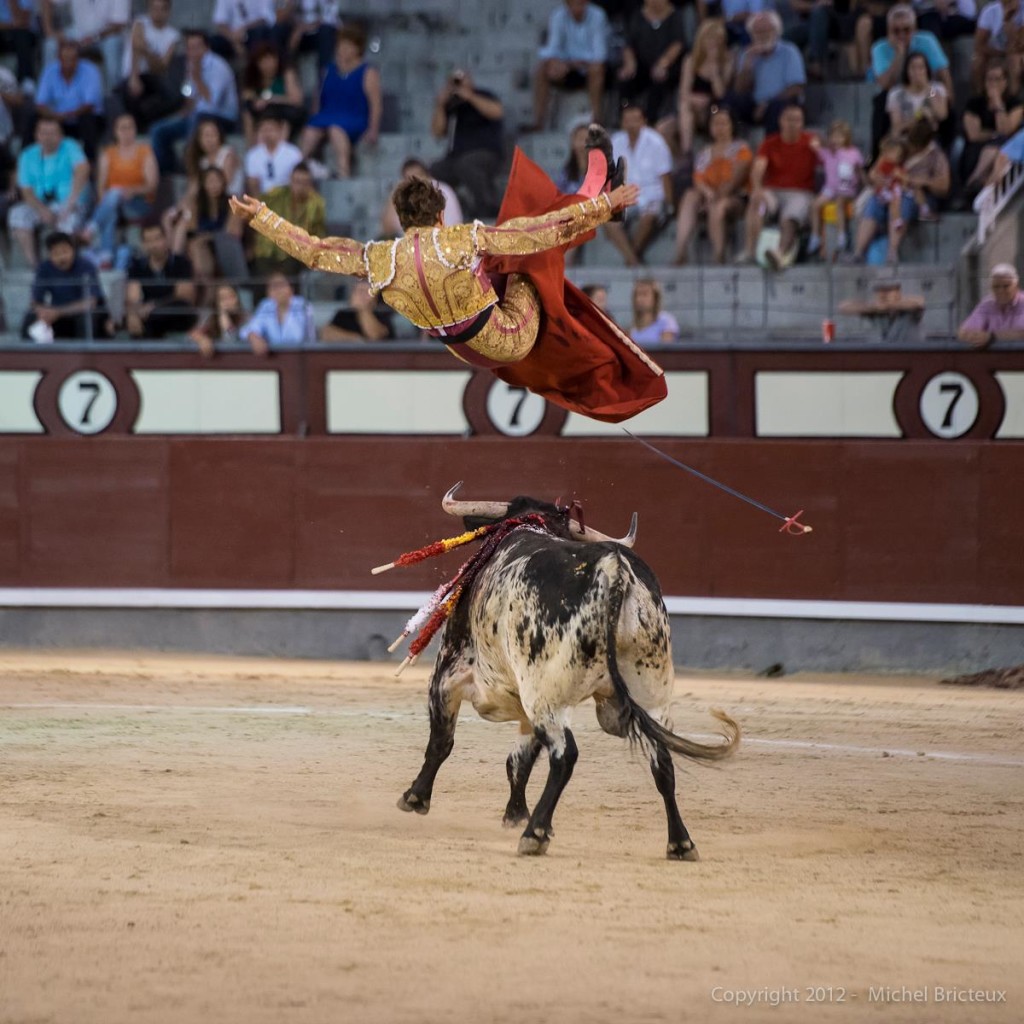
[(843, 164)]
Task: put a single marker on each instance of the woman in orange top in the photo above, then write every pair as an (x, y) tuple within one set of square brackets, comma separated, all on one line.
[(719, 187), (126, 182)]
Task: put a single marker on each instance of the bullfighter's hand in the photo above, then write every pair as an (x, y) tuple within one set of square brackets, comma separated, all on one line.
[(623, 196), (245, 208)]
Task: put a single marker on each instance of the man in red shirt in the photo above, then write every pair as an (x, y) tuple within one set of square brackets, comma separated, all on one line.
[(782, 185)]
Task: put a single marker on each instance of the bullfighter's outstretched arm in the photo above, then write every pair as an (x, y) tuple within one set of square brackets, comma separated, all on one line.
[(523, 235), (337, 255)]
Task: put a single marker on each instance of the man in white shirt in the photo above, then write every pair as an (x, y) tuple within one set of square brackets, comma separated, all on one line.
[(649, 166), (269, 164), (146, 90), (96, 25), (239, 24)]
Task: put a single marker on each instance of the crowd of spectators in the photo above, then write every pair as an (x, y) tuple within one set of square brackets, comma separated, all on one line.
[(704, 100)]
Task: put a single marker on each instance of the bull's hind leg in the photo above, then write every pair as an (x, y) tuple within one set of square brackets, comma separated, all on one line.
[(518, 767), (562, 755), (444, 713), (680, 845)]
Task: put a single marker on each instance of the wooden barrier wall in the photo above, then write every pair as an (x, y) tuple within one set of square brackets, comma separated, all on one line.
[(893, 521)]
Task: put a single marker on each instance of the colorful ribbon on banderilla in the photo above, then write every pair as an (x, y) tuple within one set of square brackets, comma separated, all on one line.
[(790, 524), (433, 615)]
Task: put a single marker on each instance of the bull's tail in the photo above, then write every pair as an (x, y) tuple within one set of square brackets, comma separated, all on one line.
[(636, 723)]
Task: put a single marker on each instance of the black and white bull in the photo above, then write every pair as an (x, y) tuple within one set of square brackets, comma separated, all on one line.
[(553, 618)]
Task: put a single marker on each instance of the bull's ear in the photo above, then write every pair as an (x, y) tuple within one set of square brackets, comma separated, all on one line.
[(487, 509)]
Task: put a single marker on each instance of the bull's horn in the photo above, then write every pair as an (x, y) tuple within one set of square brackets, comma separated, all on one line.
[(487, 509), (586, 533)]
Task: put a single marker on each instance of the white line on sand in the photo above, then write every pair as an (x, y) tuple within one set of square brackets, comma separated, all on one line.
[(283, 709)]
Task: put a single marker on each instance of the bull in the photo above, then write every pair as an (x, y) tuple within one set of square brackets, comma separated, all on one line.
[(556, 616)]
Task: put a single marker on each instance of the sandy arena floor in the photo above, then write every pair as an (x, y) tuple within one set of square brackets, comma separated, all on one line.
[(217, 840)]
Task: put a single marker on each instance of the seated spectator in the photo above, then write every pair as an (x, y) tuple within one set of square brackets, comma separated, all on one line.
[(649, 166), (300, 204), (989, 119), (651, 324), (1000, 36), (272, 88), (147, 89), (889, 58), (12, 102), (350, 103), (946, 19), (918, 96), (921, 182), (17, 36), (208, 147), (737, 15), (706, 80), (574, 170), (126, 184), (782, 186), (770, 75), (870, 25), (282, 320), (238, 25), (649, 72), (472, 119), (573, 56), (365, 319), (269, 164), (844, 178), (390, 226), (598, 295), (67, 300), (927, 169), (71, 90), (223, 324), (808, 25), (720, 182), (160, 297), (98, 28), (1000, 317), (53, 179), (193, 226), (311, 25), (210, 94)]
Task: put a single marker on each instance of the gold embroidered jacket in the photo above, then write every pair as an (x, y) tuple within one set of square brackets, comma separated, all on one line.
[(433, 276)]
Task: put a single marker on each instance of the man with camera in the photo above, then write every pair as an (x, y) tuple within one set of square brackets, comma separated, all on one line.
[(209, 92), (472, 119), (53, 179)]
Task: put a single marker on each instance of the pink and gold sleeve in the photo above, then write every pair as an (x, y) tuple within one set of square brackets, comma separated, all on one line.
[(335, 255), (523, 235)]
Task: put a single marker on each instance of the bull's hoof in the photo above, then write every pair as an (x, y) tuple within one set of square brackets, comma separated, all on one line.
[(682, 851), (533, 844), (409, 801), (515, 816)]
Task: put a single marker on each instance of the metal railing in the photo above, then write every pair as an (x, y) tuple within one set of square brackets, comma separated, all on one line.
[(993, 199)]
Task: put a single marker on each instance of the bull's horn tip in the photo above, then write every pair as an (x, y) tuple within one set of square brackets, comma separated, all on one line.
[(378, 569), (808, 529)]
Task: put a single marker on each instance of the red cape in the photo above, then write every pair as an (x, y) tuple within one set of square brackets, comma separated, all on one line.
[(581, 361)]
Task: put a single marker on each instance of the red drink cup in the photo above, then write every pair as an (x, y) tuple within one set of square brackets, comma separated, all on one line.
[(828, 331)]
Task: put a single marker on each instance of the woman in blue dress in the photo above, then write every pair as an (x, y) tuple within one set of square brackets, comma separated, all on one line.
[(350, 103)]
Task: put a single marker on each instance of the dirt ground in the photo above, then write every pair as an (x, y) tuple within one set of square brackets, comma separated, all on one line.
[(216, 840)]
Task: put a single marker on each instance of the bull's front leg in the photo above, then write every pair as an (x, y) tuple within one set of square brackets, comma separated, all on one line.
[(444, 713), (518, 767)]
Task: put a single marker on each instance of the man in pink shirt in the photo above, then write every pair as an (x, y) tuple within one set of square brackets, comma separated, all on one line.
[(999, 317)]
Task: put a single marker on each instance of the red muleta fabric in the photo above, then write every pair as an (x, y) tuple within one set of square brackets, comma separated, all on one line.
[(581, 361)]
